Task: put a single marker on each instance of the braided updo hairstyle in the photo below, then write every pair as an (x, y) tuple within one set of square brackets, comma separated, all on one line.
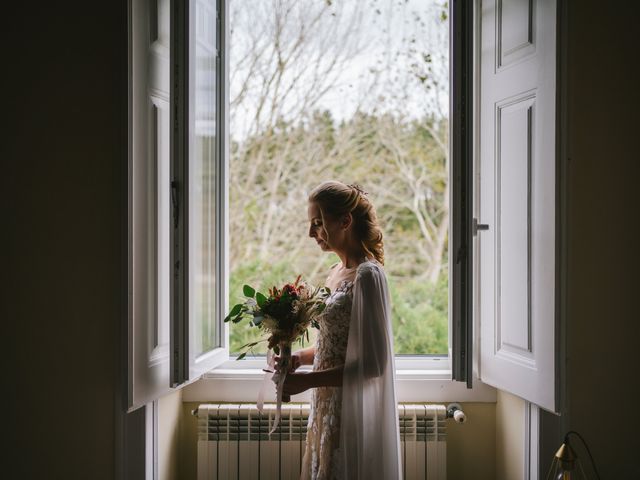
[(336, 199)]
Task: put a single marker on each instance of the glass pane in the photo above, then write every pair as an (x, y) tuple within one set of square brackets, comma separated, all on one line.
[(202, 174), (353, 91)]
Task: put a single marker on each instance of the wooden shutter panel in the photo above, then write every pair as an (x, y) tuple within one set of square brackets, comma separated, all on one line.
[(517, 181)]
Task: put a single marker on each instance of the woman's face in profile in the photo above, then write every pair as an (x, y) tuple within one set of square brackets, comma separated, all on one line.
[(328, 234)]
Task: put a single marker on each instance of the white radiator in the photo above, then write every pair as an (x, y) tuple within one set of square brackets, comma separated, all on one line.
[(233, 441)]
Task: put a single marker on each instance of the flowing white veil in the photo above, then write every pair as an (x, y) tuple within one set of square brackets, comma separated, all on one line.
[(370, 435)]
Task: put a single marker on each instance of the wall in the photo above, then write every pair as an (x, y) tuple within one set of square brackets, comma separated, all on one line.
[(471, 449), (169, 431), (603, 260), (603, 329), (602, 322), (471, 446), (510, 440), (63, 152)]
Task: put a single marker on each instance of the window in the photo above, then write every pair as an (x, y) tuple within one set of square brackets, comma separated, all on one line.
[(177, 194), (342, 90), (185, 149)]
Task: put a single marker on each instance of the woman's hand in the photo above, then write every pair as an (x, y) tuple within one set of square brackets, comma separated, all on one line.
[(295, 383), (296, 361)]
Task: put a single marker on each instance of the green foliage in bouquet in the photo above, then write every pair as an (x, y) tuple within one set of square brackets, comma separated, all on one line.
[(285, 313)]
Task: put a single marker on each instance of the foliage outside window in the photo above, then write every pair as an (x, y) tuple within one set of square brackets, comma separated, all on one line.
[(354, 91)]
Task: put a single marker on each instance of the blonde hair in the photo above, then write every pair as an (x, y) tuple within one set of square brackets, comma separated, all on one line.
[(336, 199)]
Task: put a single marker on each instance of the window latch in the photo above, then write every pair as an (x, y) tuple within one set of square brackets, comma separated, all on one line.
[(478, 226)]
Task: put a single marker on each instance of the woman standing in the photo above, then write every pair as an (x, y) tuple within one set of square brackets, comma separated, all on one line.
[(353, 430)]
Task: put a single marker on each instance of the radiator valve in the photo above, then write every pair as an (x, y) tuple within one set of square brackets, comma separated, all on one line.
[(454, 410)]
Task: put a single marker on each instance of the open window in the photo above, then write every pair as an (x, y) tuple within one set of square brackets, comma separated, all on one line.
[(177, 194), (462, 111), (503, 243), (355, 91)]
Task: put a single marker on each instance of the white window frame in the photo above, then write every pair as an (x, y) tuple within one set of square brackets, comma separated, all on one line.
[(417, 380), (186, 365)]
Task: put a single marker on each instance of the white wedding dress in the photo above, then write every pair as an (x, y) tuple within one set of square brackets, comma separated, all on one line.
[(353, 431)]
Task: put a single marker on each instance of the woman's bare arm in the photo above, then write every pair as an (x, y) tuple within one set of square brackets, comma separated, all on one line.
[(298, 382), (330, 377)]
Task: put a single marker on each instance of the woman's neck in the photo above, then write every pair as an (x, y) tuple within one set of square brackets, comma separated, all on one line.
[(353, 258)]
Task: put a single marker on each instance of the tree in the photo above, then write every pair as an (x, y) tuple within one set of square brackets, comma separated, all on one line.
[(330, 90)]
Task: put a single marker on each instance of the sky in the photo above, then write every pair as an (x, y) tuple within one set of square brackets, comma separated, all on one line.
[(385, 38)]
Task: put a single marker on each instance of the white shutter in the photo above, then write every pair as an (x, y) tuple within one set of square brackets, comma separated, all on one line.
[(149, 203), (517, 198)]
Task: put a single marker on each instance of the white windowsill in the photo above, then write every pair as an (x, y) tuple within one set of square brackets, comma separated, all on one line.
[(417, 380)]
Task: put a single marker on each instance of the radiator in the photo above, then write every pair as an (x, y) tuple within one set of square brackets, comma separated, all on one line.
[(233, 441)]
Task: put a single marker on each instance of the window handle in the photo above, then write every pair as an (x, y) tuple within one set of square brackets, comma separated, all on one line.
[(478, 226), (174, 202)]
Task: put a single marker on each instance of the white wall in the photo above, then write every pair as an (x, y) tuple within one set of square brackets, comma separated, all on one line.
[(510, 440), (169, 424)]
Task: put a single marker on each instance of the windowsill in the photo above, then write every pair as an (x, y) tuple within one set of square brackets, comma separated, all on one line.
[(241, 381)]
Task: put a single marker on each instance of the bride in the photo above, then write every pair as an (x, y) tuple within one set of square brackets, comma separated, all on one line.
[(353, 428)]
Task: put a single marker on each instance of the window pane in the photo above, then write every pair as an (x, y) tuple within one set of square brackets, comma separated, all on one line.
[(354, 91), (202, 173)]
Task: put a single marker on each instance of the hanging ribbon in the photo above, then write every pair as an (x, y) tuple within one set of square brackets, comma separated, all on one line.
[(268, 376), (278, 378)]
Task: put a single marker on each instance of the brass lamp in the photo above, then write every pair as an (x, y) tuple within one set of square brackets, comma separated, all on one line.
[(566, 465)]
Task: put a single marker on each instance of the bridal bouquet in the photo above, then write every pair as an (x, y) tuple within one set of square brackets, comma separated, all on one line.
[(286, 315)]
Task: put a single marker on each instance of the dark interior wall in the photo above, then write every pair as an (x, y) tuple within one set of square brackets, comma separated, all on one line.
[(63, 152), (603, 259)]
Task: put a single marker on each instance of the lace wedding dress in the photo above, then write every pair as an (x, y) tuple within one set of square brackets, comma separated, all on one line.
[(355, 331)]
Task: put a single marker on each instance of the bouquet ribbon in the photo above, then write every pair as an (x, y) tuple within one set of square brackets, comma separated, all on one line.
[(278, 378)]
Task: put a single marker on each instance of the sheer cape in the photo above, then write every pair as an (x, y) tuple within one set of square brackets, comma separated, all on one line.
[(369, 433)]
